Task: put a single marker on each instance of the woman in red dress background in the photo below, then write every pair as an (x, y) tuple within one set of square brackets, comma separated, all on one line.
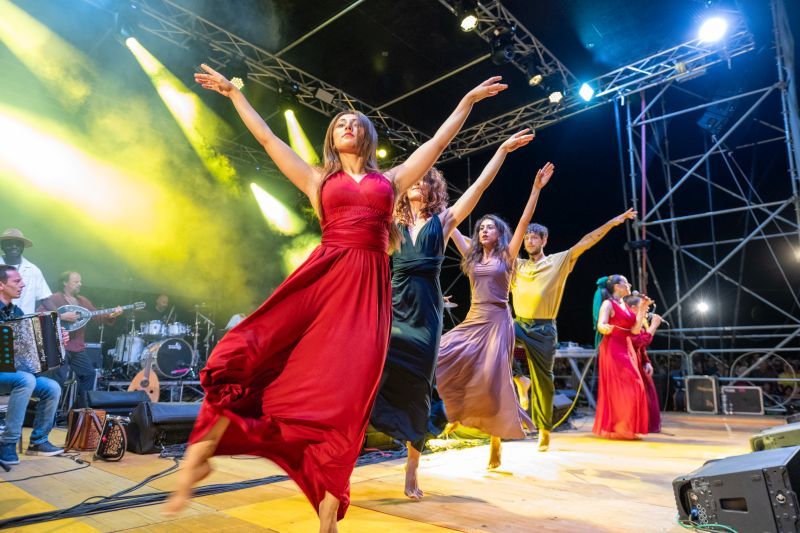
[(295, 381), (641, 338), (621, 401)]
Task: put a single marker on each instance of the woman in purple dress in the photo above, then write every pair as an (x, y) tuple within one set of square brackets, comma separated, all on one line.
[(473, 375)]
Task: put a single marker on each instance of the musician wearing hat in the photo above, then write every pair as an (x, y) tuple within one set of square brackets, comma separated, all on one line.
[(12, 243), (21, 385)]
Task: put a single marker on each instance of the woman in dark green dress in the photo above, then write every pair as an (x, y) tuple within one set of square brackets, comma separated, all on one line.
[(402, 406)]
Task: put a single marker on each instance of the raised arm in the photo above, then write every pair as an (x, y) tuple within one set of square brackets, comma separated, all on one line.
[(595, 236), (641, 314), (412, 169), (467, 202), (461, 242), (542, 177), (304, 176)]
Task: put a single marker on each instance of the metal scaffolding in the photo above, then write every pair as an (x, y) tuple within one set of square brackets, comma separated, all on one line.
[(659, 183)]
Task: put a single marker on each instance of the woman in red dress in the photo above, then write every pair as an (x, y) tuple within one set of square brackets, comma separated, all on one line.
[(621, 401), (295, 381), (641, 338)]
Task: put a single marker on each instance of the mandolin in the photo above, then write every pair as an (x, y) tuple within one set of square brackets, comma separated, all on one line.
[(84, 315), (146, 380)]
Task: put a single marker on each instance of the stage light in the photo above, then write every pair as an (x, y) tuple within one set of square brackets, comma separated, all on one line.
[(535, 80), (712, 30), (502, 48), (298, 139), (382, 153), (278, 216), (586, 92), (469, 22), (237, 82), (797, 253), (238, 70), (555, 97), (702, 307)]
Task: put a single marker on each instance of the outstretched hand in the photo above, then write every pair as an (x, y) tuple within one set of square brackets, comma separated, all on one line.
[(488, 88), (214, 81), (518, 140), (630, 214), (543, 176)]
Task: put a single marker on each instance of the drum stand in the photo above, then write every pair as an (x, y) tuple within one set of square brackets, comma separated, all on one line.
[(206, 341)]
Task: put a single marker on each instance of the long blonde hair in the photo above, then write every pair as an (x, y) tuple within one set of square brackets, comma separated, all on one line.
[(475, 253), (367, 148)]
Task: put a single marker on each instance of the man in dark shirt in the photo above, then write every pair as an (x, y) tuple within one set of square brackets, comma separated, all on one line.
[(77, 357), (22, 385)]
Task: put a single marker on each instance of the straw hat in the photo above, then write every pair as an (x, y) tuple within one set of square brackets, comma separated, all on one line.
[(13, 234)]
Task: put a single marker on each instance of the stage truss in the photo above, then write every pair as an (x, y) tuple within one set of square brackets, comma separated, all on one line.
[(705, 264)]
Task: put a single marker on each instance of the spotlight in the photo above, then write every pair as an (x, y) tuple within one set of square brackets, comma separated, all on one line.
[(702, 307), (381, 153), (288, 92), (586, 92), (555, 97), (467, 17), (501, 44), (238, 70), (535, 80), (712, 30), (126, 19), (797, 254), (289, 113)]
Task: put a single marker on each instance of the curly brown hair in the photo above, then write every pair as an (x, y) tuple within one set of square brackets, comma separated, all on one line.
[(434, 191), (475, 253)]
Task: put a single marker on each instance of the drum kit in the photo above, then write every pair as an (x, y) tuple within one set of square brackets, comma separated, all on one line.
[(171, 348)]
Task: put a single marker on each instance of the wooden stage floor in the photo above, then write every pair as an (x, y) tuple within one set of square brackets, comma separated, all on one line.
[(582, 484)]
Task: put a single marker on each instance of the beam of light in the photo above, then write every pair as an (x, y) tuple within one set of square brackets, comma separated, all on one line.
[(199, 124), (51, 164), (63, 69), (298, 139), (280, 218), (298, 250), (702, 307), (712, 30)]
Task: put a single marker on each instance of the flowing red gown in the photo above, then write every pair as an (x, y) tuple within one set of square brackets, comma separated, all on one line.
[(621, 400), (298, 377)]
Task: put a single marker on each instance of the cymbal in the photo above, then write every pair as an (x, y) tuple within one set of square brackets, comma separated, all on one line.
[(450, 305)]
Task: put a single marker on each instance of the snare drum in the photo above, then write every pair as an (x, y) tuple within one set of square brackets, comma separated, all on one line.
[(172, 358), (153, 328), (177, 329), (128, 349)]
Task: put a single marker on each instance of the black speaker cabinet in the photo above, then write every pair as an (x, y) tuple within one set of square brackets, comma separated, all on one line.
[(118, 403), (561, 405), (154, 425), (756, 492), (701, 394), (777, 437)]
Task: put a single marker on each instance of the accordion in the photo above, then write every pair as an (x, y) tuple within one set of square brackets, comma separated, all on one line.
[(37, 342)]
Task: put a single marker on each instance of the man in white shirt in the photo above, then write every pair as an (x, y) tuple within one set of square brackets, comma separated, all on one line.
[(12, 242)]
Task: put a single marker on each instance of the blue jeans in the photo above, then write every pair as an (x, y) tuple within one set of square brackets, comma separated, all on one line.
[(23, 385)]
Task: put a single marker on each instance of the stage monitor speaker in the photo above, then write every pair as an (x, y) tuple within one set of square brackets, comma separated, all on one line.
[(95, 352), (155, 425), (754, 492), (776, 437), (118, 403), (561, 405), (742, 400), (701, 394)]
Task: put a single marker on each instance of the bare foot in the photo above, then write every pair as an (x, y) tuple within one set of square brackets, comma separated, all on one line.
[(328, 509), (544, 440), (494, 453), (523, 387), (412, 489), (179, 499), (449, 428)]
